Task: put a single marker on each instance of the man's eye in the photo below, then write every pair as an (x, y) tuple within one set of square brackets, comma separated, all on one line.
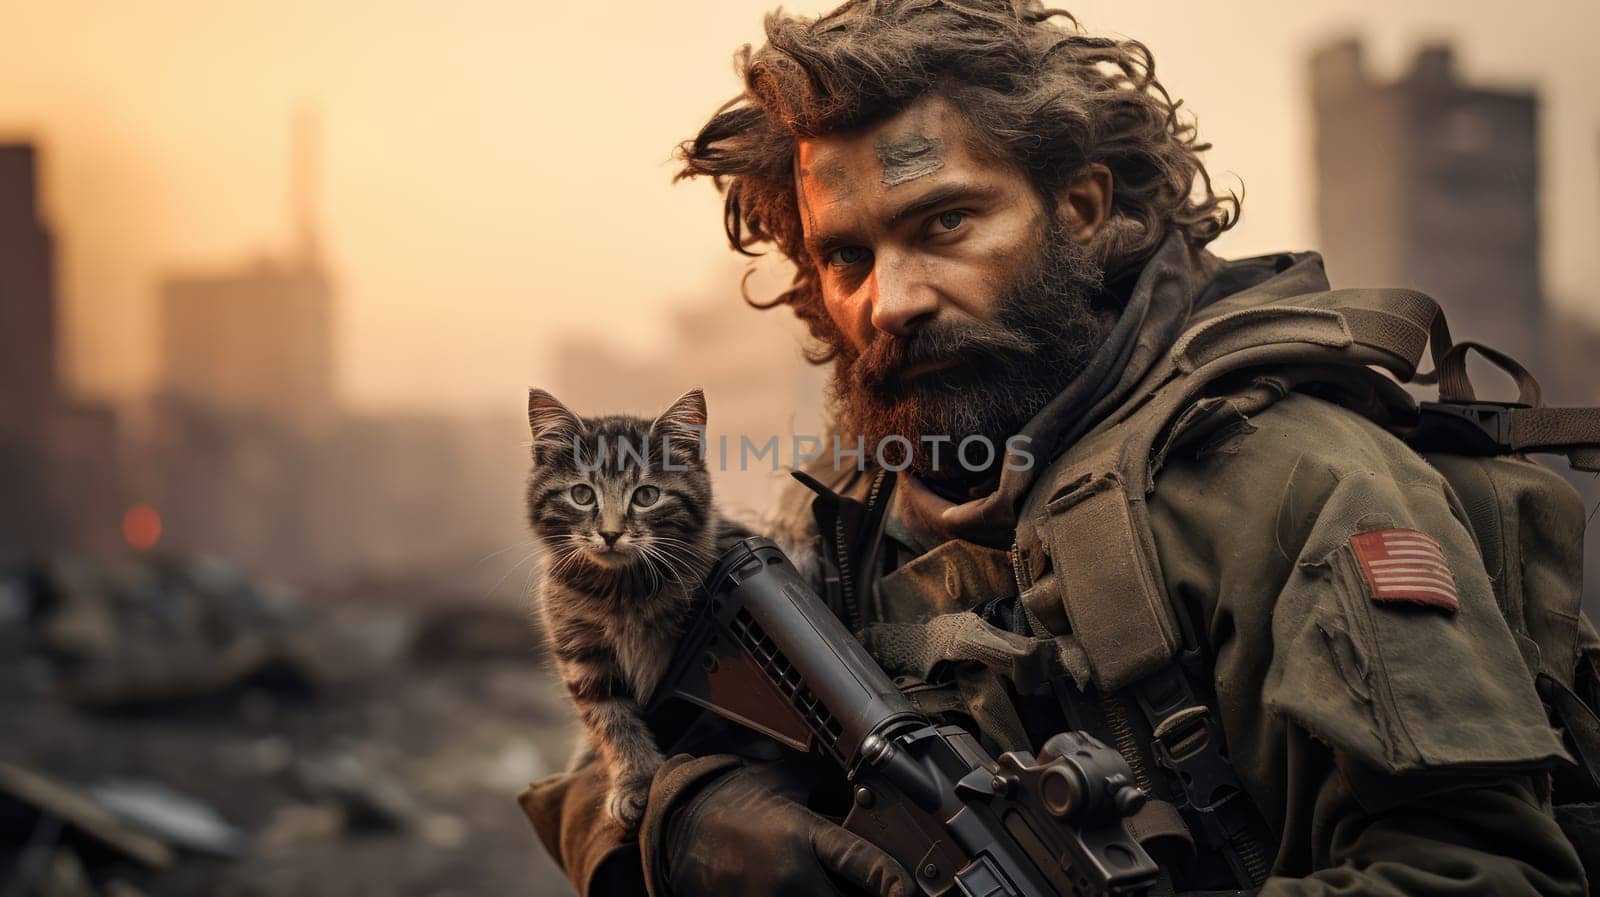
[(846, 256), (946, 222), (582, 495)]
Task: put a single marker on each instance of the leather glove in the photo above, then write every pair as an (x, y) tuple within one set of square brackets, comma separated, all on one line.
[(749, 832)]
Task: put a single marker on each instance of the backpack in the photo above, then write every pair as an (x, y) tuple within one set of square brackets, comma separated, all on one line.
[(1356, 348)]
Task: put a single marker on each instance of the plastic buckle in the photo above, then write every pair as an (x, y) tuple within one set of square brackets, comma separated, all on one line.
[(1186, 742), (1465, 428)]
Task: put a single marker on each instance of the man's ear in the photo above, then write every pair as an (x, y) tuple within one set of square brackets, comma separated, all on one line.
[(548, 418), (1084, 203), (684, 417)]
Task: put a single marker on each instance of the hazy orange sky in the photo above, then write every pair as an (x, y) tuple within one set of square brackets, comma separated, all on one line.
[(495, 174)]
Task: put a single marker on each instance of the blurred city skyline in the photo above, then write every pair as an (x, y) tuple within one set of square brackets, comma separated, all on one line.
[(496, 181)]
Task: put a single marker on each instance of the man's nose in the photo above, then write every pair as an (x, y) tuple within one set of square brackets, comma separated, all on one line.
[(902, 300)]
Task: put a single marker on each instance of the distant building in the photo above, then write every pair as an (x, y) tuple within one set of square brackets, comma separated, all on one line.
[(28, 518), (249, 453), (60, 477), (1429, 183), (27, 295), (257, 341), (248, 390), (245, 451)]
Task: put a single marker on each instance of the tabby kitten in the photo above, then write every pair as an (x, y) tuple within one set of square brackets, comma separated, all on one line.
[(622, 507)]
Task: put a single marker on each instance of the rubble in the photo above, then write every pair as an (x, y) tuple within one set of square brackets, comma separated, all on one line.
[(370, 800), (298, 824), (474, 632), (135, 634), (65, 877), (52, 810), (51, 826), (230, 739), (175, 818)]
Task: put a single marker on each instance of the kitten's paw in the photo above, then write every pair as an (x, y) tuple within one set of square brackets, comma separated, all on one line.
[(625, 803)]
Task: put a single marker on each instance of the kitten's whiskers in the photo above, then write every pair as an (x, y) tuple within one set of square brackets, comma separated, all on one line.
[(660, 558)]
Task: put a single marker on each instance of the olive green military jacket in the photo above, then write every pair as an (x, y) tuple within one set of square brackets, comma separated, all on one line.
[(1395, 747)]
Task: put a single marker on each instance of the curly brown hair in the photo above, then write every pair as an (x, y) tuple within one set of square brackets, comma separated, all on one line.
[(1037, 91)]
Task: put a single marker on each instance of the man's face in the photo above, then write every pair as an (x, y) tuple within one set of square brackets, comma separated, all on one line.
[(961, 306)]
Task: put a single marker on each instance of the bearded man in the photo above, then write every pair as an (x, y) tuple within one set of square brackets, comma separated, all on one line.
[(999, 226)]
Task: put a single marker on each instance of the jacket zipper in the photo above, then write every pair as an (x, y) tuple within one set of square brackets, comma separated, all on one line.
[(1118, 721), (847, 588)]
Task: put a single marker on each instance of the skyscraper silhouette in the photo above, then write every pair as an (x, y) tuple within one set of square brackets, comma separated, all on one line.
[(1431, 183)]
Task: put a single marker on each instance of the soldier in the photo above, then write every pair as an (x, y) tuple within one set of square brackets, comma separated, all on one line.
[(999, 228)]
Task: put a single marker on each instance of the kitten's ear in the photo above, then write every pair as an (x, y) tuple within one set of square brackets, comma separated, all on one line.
[(686, 416), (548, 418)]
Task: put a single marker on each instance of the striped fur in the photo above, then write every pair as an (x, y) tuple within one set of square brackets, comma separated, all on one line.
[(612, 614)]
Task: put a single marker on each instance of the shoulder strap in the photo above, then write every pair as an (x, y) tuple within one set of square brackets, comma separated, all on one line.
[(1574, 432), (1084, 529), (1388, 327), (1085, 536)]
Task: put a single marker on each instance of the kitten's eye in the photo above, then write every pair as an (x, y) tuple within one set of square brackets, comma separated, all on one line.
[(645, 496), (582, 495)]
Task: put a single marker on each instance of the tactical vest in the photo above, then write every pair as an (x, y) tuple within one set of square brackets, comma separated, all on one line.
[(1094, 599)]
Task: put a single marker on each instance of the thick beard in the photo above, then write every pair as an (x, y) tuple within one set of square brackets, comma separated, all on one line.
[(1046, 330)]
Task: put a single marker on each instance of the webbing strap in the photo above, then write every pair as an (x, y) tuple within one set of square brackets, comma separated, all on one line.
[(1188, 743), (1451, 365), (1251, 327), (1104, 574), (1580, 724), (1574, 432), (1159, 821), (1396, 323), (1571, 431)]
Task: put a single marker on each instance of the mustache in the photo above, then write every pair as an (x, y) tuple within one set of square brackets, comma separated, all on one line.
[(881, 364)]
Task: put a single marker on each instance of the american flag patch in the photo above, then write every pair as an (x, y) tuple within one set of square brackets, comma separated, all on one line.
[(1405, 565)]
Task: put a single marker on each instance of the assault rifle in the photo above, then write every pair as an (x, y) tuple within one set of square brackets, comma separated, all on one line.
[(763, 651)]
